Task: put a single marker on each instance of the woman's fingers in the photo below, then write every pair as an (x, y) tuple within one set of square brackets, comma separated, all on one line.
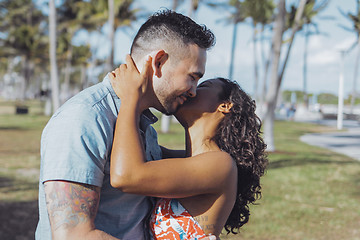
[(111, 75), (126, 79), (120, 69)]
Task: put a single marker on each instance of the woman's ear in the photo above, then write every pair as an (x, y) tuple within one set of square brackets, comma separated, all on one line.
[(159, 59), (225, 107)]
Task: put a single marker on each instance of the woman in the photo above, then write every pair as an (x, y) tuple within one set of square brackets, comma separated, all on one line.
[(213, 186)]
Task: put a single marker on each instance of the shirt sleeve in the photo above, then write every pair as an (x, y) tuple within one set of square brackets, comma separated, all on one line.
[(74, 146)]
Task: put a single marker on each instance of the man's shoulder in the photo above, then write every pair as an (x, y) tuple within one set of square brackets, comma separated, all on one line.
[(90, 97), (94, 99), (92, 106)]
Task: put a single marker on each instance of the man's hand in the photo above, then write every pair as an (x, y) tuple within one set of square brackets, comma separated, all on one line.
[(72, 208)]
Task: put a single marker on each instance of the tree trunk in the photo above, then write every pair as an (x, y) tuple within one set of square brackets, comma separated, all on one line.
[(271, 96), (306, 101), (165, 123), (67, 74), (353, 94), (175, 4), (266, 72), (294, 29), (232, 53), (256, 71), (25, 70), (277, 78), (83, 77), (52, 54), (194, 4)]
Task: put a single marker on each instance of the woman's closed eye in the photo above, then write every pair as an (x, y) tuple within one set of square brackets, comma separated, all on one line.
[(204, 84)]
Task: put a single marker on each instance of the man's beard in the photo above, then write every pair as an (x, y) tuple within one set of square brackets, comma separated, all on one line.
[(167, 100), (168, 105)]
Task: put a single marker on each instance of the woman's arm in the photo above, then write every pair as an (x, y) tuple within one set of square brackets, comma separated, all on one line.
[(178, 177), (173, 178)]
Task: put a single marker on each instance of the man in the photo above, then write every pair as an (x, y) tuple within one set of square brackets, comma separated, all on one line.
[(76, 200)]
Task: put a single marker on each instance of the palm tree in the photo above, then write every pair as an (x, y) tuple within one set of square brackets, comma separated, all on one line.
[(237, 15), (120, 15), (260, 12), (75, 15), (265, 20), (311, 10), (276, 44), (25, 36), (52, 53), (276, 75), (80, 58)]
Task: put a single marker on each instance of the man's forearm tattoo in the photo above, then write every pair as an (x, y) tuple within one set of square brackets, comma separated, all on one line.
[(70, 203)]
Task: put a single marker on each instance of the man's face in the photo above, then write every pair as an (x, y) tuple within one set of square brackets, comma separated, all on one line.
[(179, 79)]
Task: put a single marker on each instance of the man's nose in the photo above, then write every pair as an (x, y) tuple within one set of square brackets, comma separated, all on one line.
[(192, 91)]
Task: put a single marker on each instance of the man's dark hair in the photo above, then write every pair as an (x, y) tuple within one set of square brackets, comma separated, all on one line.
[(169, 30)]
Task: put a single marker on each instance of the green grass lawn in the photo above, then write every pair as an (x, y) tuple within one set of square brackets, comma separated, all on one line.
[(308, 192)]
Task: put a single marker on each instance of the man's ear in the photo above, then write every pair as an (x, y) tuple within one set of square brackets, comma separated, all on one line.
[(159, 59), (225, 107)]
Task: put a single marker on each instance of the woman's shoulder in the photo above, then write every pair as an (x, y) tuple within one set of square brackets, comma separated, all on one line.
[(218, 159), (217, 154)]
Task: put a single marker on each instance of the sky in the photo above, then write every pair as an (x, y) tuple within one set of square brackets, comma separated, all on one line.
[(324, 58)]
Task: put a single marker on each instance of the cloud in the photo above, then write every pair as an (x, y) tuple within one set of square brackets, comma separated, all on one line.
[(323, 52), (324, 57), (345, 44)]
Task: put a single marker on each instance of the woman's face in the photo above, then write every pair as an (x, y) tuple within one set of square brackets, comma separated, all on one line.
[(206, 102)]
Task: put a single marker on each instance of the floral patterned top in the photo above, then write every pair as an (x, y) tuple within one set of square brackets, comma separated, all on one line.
[(171, 221)]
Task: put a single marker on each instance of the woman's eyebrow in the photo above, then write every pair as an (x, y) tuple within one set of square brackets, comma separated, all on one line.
[(205, 83)]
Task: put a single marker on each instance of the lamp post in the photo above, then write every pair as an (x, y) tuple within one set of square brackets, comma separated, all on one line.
[(340, 115)]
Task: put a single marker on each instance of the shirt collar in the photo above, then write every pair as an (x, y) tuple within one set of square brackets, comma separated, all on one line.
[(107, 83)]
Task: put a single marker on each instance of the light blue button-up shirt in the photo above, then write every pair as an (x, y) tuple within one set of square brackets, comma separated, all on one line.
[(76, 145)]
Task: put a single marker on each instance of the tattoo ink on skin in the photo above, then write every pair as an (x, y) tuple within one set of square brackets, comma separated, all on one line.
[(202, 220), (70, 204)]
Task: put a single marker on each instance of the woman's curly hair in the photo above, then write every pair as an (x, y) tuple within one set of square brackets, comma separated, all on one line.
[(239, 134)]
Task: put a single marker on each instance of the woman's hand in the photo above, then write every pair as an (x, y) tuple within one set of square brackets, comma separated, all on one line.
[(128, 83)]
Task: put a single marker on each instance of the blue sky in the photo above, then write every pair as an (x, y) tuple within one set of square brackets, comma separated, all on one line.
[(323, 56)]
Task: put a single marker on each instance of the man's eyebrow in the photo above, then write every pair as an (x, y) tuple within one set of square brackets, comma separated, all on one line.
[(198, 74)]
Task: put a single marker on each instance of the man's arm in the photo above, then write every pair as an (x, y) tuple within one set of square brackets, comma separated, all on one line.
[(72, 208)]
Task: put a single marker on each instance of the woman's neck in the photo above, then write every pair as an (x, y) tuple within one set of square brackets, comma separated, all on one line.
[(199, 139)]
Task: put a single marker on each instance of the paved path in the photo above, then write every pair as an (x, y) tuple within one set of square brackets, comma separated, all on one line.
[(347, 142)]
